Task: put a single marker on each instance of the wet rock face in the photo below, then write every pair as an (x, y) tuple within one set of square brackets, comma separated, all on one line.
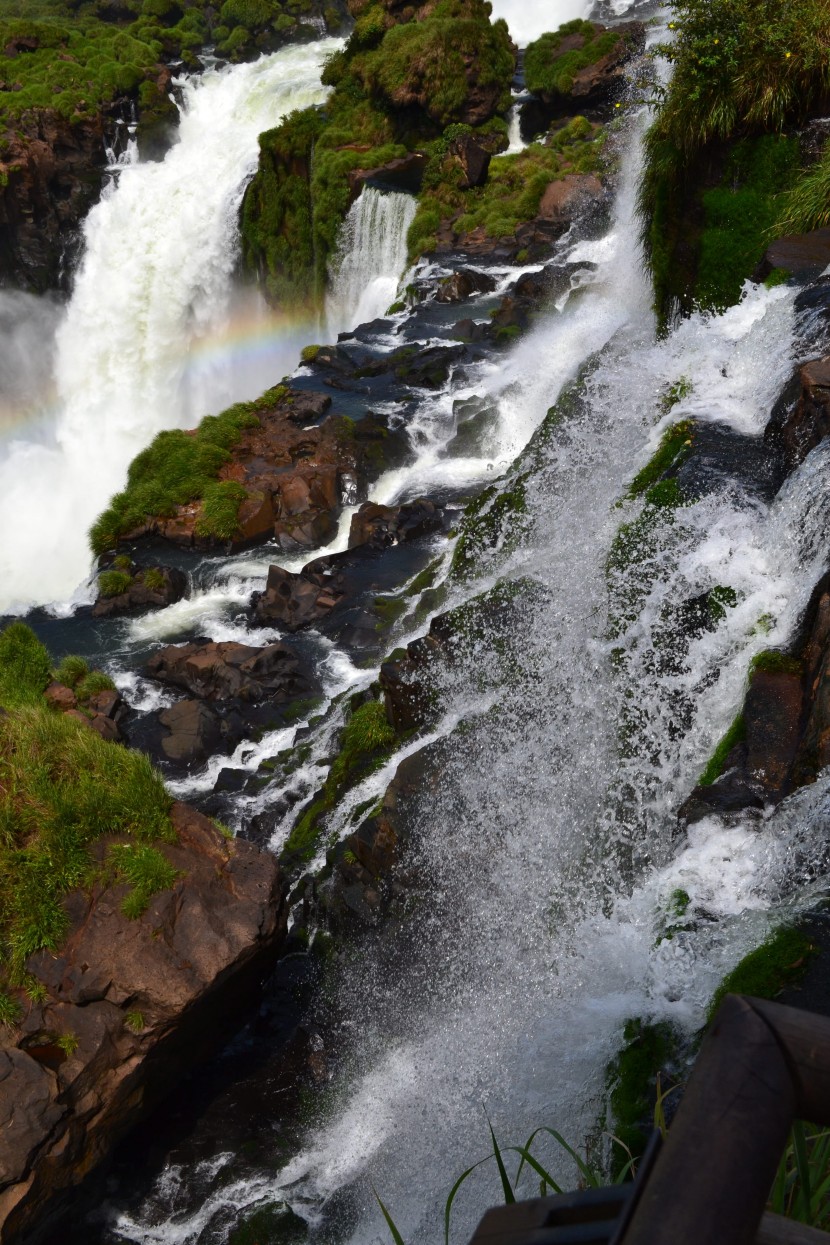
[(593, 88), (142, 1000), (802, 418), (53, 170), (804, 255)]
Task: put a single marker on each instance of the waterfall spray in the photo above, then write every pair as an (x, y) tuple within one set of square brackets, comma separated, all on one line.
[(371, 257)]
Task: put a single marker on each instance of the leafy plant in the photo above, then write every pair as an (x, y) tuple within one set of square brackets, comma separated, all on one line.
[(801, 1189), (135, 1021), (68, 1043)]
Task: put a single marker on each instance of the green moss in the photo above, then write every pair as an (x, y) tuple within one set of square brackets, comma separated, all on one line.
[(780, 961), (496, 517), (548, 71), (717, 762), (270, 1225), (673, 448), (366, 742), (773, 661), (114, 583), (513, 190), (180, 467), (631, 1079), (309, 353)]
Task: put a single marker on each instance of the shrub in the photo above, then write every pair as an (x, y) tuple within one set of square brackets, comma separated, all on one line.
[(551, 72), (71, 670), (153, 578), (93, 683), (114, 583), (177, 468), (134, 1021), (68, 1043)]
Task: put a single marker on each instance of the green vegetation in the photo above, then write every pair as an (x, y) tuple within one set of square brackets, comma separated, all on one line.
[(551, 72), (68, 1043), (145, 870), (801, 1189), (631, 1081), (182, 467), (773, 661), (114, 583), (675, 393), (395, 88), (780, 961), (674, 446), (10, 1010), (367, 741), (153, 578), (25, 667), (513, 190), (62, 787), (135, 1021), (309, 353), (717, 158), (717, 762), (497, 517)]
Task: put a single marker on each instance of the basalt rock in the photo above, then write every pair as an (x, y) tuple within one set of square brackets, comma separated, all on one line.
[(297, 469), (50, 175), (804, 255), (801, 419), (406, 173), (232, 671), (463, 284), (151, 588), (593, 88), (142, 1001), (380, 526), (472, 159)]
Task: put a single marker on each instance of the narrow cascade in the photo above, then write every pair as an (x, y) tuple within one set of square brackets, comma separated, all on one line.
[(155, 334), (371, 258)]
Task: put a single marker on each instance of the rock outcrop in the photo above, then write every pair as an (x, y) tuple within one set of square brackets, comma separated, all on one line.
[(232, 671), (126, 1008)]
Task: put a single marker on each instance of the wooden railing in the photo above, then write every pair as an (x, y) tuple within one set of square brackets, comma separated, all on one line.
[(761, 1066)]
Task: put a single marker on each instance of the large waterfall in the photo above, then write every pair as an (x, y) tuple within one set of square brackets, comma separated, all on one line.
[(370, 259), (155, 335), (551, 851)]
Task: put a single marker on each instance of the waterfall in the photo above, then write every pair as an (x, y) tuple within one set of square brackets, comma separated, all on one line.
[(155, 335), (551, 851), (370, 259)]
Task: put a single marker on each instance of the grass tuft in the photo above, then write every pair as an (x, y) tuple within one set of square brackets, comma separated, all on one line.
[(146, 870)]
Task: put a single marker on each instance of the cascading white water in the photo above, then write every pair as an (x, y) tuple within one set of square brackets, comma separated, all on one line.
[(154, 335), (370, 259)]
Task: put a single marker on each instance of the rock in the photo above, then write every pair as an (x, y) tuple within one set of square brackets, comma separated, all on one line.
[(593, 87), (228, 670), (144, 999), (804, 255), (380, 526), (473, 160), (108, 703), (296, 476), (565, 199), (296, 600), (801, 418), (59, 697), (105, 727), (195, 731), (463, 284), (50, 175), (405, 173), (166, 585), (428, 368)]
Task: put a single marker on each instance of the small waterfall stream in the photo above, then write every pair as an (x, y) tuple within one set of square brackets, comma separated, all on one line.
[(370, 259)]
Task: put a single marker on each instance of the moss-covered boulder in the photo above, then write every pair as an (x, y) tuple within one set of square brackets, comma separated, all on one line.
[(581, 66)]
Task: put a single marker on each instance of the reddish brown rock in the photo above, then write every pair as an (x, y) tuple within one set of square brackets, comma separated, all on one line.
[(228, 670), (380, 526), (296, 600), (472, 159), (798, 426), (59, 697), (463, 284), (194, 731), (143, 1000), (142, 595), (566, 198)]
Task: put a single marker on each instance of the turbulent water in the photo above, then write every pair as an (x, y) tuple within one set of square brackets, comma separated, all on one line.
[(551, 846), (155, 334), (370, 258)]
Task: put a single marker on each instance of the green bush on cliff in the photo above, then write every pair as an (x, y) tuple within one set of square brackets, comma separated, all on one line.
[(715, 159), (25, 668), (177, 468), (551, 72), (395, 86), (512, 193)]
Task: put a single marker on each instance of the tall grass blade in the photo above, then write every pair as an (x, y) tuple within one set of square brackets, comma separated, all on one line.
[(802, 1163), (507, 1188), (390, 1222), (459, 1182)]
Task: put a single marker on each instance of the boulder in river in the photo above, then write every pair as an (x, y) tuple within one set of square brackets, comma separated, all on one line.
[(232, 671)]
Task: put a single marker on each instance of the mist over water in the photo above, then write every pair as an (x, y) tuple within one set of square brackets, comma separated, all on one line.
[(155, 334)]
